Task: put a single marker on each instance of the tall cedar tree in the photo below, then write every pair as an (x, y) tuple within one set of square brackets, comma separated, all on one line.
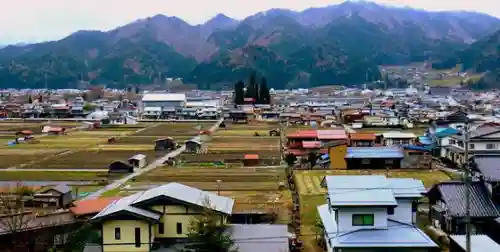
[(252, 87), (30, 100), (264, 96), (208, 234), (239, 94)]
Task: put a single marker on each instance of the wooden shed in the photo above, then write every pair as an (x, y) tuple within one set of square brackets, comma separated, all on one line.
[(138, 161), (120, 167), (193, 145), (167, 143), (251, 160)]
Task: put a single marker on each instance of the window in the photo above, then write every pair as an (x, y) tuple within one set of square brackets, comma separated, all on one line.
[(460, 143), (491, 146), (117, 234), (363, 220), (390, 210), (389, 161), (452, 141), (472, 146), (161, 228), (365, 161), (179, 228), (414, 207)]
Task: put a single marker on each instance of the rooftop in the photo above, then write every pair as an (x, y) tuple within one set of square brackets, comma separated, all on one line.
[(479, 243), (374, 152), (164, 97)]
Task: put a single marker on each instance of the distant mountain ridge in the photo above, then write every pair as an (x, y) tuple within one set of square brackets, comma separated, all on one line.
[(339, 44)]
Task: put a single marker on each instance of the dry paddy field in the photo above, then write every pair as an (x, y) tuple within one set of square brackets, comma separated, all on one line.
[(254, 189)]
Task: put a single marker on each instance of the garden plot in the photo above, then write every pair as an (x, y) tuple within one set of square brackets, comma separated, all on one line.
[(90, 159), (173, 130), (15, 157)]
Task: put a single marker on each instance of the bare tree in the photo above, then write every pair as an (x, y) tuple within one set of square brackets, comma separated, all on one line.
[(14, 217)]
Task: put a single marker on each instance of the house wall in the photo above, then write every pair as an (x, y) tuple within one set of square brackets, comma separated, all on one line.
[(127, 233), (345, 218), (395, 141), (403, 212), (337, 160), (173, 214), (165, 104)]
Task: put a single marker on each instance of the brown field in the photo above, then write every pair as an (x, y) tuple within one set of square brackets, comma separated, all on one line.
[(89, 159), (172, 130)]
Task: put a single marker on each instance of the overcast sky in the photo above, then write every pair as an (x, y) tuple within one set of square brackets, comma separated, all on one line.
[(41, 20)]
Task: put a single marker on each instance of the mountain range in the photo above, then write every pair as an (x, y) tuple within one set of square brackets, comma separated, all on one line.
[(339, 44)]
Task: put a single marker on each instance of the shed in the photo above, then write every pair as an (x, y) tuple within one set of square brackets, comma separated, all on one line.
[(193, 145), (167, 143), (374, 157), (138, 161), (59, 195), (251, 160), (120, 167)]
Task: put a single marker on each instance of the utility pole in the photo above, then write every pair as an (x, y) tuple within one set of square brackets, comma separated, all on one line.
[(467, 190)]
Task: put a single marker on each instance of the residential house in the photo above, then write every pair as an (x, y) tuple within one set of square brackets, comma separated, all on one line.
[(397, 138), (59, 196), (158, 215), (168, 104), (362, 139), (372, 213), (447, 207), (374, 157), (483, 140)]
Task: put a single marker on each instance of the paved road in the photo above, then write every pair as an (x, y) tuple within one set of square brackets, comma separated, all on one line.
[(157, 163)]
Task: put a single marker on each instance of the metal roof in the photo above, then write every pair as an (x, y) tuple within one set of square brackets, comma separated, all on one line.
[(359, 191), (488, 166), (124, 204), (164, 97), (396, 235), (374, 152), (331, 134), (260, 237), (479, 243), (481, 205), (189, 195), (397, 134), (406, 187)]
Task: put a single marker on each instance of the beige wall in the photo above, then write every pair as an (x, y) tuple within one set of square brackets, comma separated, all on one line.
[(173, 215), (127, 230)]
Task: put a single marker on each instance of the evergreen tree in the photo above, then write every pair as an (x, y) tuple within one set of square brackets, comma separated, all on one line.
[(40, 98), (30, 100), (239, 94), (207, 234), (252, 87), (264, 96)]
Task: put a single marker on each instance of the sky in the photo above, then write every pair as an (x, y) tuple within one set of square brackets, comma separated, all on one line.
[(42, 20)]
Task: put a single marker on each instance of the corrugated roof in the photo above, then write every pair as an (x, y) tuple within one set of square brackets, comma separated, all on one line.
[(251, 157), (311, 144), (164, 97), (303, 134), (260, 237), (481, 205), (374, 152), (397, 134), (362, 136), (479, 243)]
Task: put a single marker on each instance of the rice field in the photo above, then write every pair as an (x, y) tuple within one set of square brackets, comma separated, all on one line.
[(173, 130)]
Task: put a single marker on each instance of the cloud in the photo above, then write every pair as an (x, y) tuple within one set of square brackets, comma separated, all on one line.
[(33, 20)]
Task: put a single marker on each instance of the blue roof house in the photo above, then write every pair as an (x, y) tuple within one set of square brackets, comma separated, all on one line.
[(372, 213)]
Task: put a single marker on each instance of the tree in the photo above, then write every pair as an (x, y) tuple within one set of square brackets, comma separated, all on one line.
[(15, 218), (30, 100), (208, 234), (264, 96), (239, 94), (252, 86), (290, 159), (40, 98), (312, 158)]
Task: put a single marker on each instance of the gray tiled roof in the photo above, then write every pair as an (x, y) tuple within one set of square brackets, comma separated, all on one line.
[(124, 204), (481, 205), (488, 166)]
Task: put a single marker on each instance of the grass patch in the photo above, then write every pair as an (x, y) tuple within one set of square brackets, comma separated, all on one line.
[(111, 193)]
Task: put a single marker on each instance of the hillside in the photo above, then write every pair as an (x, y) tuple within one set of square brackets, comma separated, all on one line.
[(340, 44)]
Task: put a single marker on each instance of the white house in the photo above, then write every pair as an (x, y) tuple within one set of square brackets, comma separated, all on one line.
[(372, 213), (164, 103), (482, 140), (396, 138)]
